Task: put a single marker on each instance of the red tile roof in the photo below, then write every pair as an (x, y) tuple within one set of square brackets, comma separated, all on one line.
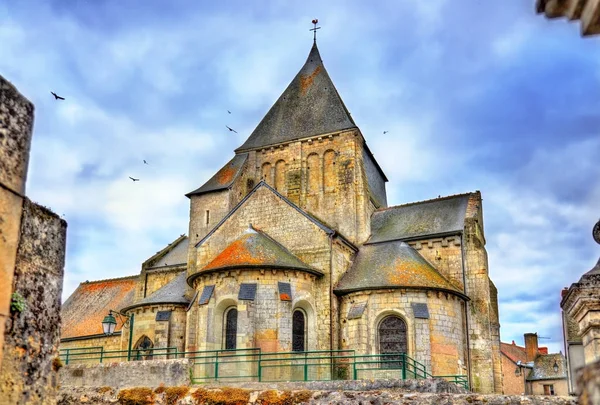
[(513, 352), (83, 312)]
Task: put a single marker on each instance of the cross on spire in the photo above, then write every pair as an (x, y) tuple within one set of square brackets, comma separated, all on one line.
[(314, 30)]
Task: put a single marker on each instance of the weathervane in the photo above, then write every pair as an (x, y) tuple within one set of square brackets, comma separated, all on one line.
[(314, 30)]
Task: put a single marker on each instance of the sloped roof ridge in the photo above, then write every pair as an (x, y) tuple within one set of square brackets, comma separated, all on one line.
[(262, 183), (309, 105), (166, 249), (447, 197), (167, 294), (110, 279)]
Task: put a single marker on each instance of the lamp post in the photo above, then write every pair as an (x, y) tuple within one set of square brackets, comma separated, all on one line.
[(109, 323), (555, 367)]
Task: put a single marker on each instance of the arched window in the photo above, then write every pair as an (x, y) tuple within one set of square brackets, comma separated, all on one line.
[(298, 331), (266, 173), (392, 339), (280, 176), (143, 349), (330, 179), (314, 173), (230, 329)]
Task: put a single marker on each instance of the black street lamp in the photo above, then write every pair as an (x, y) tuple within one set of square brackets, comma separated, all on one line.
[(109, 324), (555, 367)]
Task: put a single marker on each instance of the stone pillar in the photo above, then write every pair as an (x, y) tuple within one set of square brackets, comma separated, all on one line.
[(16, 123)]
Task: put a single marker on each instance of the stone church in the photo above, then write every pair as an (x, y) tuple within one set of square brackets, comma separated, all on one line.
[(292, 247)]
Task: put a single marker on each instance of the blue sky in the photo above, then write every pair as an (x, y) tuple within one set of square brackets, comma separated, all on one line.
[(475, 96)]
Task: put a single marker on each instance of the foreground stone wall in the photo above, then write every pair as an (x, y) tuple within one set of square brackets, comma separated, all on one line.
[(32, 252), (28, 373), (16, 123), (151, 373)]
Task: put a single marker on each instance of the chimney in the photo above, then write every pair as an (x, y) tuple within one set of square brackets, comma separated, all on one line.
[(531, 346)]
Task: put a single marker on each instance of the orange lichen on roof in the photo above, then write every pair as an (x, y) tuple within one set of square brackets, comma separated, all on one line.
[(238, 254), (225, 175), (306, 81), (255, 249), (83, 312), (418, 274)]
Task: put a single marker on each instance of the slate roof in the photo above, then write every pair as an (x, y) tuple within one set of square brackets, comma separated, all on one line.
[(427, 218), (309, 106), (176, 253), (224, 178), (173, 292), (256, 249), (84, 310), (543, 367), (392, 265)]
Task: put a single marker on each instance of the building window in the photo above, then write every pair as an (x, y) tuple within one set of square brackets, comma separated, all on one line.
[(143, 349), (392, 341), (549, 389), (230, 331), (298, 331), (329, 173), (313, 168), (207, 217), (280, 176), (266, 173)]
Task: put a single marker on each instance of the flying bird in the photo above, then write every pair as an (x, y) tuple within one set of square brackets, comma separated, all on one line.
[(229, 111), (145, 162), (385, 132), (134, 179), (56, 96), (230, 129)]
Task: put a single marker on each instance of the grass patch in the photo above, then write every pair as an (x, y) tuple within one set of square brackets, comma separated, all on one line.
[(174, 394), (223, 396), (283, 397), (136, 396)]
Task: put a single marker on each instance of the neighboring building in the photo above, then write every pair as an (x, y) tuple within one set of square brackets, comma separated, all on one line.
[(531, 370), (587, 11), (292, 246), (581, 319)]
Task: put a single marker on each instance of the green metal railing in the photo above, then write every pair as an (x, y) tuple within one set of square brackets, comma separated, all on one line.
[(97, 353), (254, 365)]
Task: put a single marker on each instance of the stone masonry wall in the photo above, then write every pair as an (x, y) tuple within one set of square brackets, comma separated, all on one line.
[(90, 344), (163, 334), (28, 374), (486, 362), (437, 342), (268, 212), (513, 384), (320, 175), (16, 124), (151, 373)]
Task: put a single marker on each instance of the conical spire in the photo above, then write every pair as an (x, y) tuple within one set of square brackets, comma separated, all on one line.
[(309, 106)]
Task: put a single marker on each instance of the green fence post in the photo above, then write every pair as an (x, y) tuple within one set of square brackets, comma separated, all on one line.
[(216, 366), (67, 358), (354, 371), (403, 366), (101, 353), (259, 367), (305, 367)]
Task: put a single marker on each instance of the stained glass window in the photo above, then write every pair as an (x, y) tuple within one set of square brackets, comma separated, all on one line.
[(230, 329), (392, 340), (298, 331)]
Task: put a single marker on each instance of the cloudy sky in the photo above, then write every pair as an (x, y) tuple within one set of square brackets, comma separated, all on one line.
[(475, 96)]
